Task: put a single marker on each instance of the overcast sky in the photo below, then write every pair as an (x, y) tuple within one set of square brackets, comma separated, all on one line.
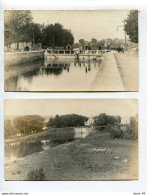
[(87, 107), (86, 24)]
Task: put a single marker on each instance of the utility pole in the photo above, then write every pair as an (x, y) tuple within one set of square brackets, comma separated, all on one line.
[(125, 34)]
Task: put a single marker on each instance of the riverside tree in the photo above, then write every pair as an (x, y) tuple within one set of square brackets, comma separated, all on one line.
[(68, 120), (56, 36), (9, 129), (131, 26), (15, 24), (104, 120), (29, 124)]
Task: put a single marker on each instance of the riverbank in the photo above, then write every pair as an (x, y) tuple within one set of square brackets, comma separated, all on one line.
[(129, 70), (14, 58), (96, 157)]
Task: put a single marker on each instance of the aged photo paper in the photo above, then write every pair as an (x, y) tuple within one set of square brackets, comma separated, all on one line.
[(80, 50), (71, 139)]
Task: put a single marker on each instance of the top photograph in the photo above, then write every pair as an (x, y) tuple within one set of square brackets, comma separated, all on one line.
[(71, 50)]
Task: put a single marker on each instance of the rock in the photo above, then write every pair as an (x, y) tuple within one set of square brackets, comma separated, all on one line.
[(125, 161), (117, 157)]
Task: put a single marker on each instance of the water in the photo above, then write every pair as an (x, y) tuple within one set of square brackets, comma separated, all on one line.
[(17, 150), (52, 75)]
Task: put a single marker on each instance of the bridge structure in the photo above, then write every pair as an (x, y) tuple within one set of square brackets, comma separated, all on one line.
[(75, 54)]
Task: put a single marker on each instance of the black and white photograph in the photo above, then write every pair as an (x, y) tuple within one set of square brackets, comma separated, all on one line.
[(71, 139), (71, 50)]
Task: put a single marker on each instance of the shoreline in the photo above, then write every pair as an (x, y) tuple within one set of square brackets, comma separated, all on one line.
[(72, 160)]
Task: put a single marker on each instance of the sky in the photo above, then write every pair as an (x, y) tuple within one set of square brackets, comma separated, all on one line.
[(86, 107), (86, 24)]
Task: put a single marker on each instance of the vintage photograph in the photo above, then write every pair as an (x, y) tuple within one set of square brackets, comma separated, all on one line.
[(80, 50), (71, 139)]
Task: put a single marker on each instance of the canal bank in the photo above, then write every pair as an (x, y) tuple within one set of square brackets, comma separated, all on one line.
[(14, 58), (96, 157), (108, 78)]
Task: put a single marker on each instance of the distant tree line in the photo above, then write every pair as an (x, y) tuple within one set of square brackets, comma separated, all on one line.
[(104, 44), (28, 124), (68, 120), (24, 125), (112, 125), (19, 27)]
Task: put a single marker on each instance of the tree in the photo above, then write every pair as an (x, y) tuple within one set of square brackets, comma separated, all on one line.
[(131, 26), (104, 119), (68, 120), (32, 32), (15, 24), (56, 36), (9, 129), (132, 128), (82, 42), (29, 124)]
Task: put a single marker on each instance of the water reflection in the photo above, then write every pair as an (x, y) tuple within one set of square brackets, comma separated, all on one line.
[(25, 148), (53, 75)]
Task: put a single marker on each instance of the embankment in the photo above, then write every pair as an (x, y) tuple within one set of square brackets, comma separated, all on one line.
[(12, 58)]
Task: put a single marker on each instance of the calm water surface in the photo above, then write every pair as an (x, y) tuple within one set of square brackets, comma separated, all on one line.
[(17, 150), (52, 75)]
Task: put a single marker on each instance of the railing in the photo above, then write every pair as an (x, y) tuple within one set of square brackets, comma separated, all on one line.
[(73, 52)]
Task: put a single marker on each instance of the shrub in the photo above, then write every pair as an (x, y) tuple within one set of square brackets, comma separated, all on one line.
[(114, 131), (36, 175), (132, 129)]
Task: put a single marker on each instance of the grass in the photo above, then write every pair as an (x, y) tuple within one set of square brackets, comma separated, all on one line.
[(71, 161)]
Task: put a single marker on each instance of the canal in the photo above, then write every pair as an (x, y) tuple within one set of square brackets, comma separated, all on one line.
[(16, 150), (52, 75)]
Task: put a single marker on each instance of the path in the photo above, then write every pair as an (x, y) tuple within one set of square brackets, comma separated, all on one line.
[(108, 78)]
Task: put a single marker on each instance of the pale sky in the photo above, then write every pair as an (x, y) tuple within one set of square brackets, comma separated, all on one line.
[(87, 107), (86, 24)]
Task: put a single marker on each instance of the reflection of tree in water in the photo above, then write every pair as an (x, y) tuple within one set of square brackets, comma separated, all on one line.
[(11, 84), (29, 75), (56, 69), (27, 148), (11, 150)]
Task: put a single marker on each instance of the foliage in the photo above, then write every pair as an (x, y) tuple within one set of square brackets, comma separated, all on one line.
[(9, 129), (56, 35), (29, 124), (132, 128), (114, 131), (36, 175), (69, 120), (104, 119), (131, 26), (16, 23)]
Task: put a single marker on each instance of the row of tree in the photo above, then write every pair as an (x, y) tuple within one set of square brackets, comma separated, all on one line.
[(68, 120), (28, 124), (24, 125), (19, 27)]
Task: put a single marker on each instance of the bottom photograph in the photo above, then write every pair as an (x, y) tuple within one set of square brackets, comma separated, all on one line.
[(71, 139)]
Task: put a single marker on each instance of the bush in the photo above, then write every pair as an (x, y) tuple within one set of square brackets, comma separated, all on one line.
[(132, 129), (36, 175), (114, 131)]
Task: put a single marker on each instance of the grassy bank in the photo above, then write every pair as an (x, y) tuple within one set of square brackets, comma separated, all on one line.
[(96, 157)]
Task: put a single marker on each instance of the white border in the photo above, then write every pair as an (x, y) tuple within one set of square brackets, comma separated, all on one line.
[(98, 186)]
